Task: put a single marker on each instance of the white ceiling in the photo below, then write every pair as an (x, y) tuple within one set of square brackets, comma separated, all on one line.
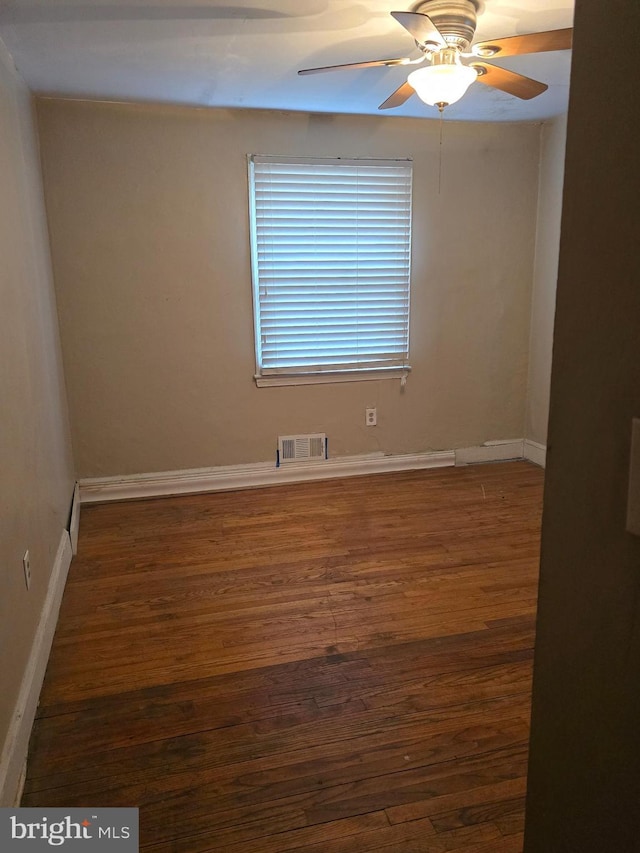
[(246, 53)]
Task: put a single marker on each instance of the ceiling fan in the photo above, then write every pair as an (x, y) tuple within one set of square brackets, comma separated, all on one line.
[(443, 31)]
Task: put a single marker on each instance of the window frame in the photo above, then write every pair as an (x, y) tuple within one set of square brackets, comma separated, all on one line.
[(302, 375)]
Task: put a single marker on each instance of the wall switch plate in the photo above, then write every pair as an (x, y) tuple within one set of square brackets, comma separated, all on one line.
[(633, 498), (371, 416)]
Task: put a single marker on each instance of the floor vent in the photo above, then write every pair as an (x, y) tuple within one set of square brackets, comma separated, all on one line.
[(298, 448)]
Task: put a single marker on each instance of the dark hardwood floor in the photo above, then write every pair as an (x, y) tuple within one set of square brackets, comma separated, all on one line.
[(336, 667)]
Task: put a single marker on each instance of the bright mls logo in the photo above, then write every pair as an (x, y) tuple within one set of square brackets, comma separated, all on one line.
[(80, 830)]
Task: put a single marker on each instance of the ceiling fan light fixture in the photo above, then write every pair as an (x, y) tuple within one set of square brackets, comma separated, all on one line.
[(486, 51), (444, 82)]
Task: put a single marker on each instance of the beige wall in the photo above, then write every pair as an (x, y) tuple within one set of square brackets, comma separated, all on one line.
[(36, 472), (545, 276), (148, 219)]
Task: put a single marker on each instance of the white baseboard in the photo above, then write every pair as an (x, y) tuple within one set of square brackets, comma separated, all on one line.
[(535, 452), (16, 745), (74, 524), (491, 451), (232, 477), (21, 783)]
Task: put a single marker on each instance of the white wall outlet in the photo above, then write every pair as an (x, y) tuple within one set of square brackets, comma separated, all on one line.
[(26, 565), (371, 416)]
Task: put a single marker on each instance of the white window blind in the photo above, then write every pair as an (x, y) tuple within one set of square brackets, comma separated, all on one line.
[(331, 246)]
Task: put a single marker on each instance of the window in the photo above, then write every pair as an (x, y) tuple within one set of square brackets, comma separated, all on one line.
[(331, 253)]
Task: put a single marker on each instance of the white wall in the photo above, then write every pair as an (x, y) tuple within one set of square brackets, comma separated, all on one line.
[(36, 470), (545, 275), (148, 218)]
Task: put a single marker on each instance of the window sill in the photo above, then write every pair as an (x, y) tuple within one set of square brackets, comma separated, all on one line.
[(400, 373)]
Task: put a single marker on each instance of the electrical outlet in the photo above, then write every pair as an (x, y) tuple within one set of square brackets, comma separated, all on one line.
[(26, 565), (371, 416)]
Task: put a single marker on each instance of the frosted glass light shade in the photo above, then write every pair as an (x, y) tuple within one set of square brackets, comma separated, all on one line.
[(442, 84)]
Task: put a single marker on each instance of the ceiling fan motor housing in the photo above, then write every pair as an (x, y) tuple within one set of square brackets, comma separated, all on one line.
[(455, 19)]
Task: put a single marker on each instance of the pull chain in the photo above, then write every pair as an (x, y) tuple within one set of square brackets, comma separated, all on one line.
[(440, 152)]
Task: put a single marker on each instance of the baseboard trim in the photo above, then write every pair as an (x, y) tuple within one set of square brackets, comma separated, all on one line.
[(16, 745), (535, 452), (233, 477), (21, 783), (74, 523), (491, 451)]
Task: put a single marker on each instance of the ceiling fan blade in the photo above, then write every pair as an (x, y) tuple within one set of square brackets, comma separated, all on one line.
[(421, 28), (530, 43), (370, 64), (508, 81), (397, 98)]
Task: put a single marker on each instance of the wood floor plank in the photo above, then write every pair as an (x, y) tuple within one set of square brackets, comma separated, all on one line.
[(500, 813), (326, 667), (418, 835)]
